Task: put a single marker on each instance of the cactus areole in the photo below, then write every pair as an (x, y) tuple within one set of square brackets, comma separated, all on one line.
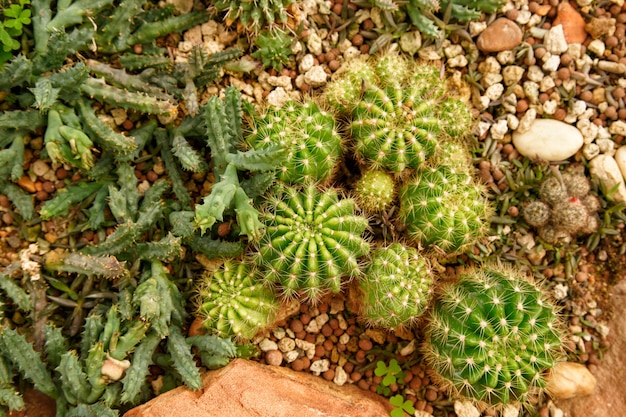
[(492, 337)]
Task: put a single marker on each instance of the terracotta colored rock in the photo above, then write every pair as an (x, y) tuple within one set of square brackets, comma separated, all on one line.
[(502, 35), (572, 22), (608, 399), (249, 389)]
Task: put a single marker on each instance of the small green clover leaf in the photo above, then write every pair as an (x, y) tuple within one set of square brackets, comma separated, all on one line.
[(390, 375), (20, 17), (402, 404)]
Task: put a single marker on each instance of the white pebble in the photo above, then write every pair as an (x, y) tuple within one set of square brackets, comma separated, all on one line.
[(527, 120), (605, 169), (554, 41), (411, 42), (286, 344), (291, 356), (560, 291), (552, 63), (475, 28), (306, 63), (546, 83), (590, 151), (606, 145), (277, 97), (512, 74), (510, 410), (620, 158), (279, 332), (313, 327), (283, 81), (341, 376), (344, 339), (457, 62), (534, 73), (588, 129), (319, 366), (314, 43), (494, 92), (266, 345), (523, 17), (512, 121), (618, 127), (531, 91), (549, 140), (499, 129), (597, 47), (550, 106), (316, 76), (465, 409)]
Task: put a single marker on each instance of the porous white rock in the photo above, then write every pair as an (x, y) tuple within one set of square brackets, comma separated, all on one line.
[(277, 97), (306, 63), (286, 344), (411, 42), (618, 127), (319, 366), (554, 41), (549, 140), (512, 74), (341, 376), (499, 129), (527, 120), (590, 151), (314, 43), (316, 76), (267, 345), (465, 409), (605, 169), (509, 410)]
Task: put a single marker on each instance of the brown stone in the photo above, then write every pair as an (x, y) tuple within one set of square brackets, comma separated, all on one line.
[(608, 398), (572, 22), (502, 35), (249, 389)]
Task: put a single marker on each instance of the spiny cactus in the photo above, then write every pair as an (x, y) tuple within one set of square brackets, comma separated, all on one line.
[(254, 14), (444, 208), (274, 49), (375, 191), (396, 287), (492, 336), (233, 302), (312, 240), (309, 135), (564, 208), (397, 110)]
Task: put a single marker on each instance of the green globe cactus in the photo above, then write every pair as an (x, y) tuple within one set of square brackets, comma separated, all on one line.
[(312, 239), (492, 337), (398, 110), (309, 133), (375, 191), (254, 14), (233, 302), (396, 288), (445, 208)]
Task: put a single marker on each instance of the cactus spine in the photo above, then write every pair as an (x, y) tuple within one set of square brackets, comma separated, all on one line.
[(397, 286), (492, 336), (233, 302), (312, 239)]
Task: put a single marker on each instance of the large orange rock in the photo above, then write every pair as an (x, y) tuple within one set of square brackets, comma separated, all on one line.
[(249, 389), (573, 23)]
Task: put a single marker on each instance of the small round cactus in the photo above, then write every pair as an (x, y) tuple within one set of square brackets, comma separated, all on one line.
[(396, 288), (552, 191), (345, 91), (493, 336), (374, 191), (577, 185), (444, 208), (312, 239), (536, 213), (233, 302), (308, 132), (570, 214)]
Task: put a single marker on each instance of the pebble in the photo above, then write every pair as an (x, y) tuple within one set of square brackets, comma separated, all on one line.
[(620, 158), (411, 42), (319, 366), (605, 169), (273, 357), (549, 140), (465, 409), (573, 23), (316, 76), (40, 168), (286, 344), (341, 376), (503, 34), (554, 41), (266, 345)]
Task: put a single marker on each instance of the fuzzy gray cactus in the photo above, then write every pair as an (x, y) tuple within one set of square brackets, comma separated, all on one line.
[(492, 337), (312, 239)]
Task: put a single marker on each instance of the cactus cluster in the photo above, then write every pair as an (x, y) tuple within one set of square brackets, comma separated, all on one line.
[(233, 302), (492, 336), (312, 240), (564, 209), (308, 133), (274, 49), (396, 287)]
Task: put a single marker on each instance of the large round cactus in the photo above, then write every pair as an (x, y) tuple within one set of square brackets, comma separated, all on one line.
[(396, 287), (233, 302), (492, 336), (312, 239), (308, 132), (444, 208)]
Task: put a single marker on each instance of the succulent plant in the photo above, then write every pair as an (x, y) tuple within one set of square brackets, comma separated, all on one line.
[(312, 240), (565, 207), (233, 302), (444, 208), (375, 191), (492, 336), (274, 49), (397, 111), (254, 14), (308, 133), (397, 286)]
